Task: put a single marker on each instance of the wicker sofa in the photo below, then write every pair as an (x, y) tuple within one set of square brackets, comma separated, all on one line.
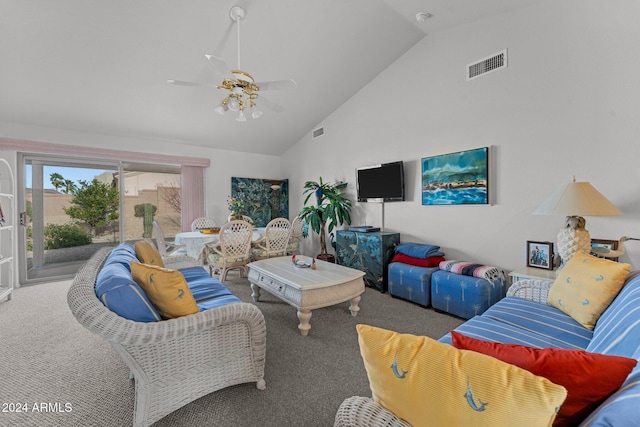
[(176, 361), (524, 317)]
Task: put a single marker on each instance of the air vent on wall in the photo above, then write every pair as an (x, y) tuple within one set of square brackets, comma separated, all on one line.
[(318, 132), (486, 65)]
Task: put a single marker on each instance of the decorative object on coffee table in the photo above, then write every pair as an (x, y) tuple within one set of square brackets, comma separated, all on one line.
[(332, 208), (301, 263), (575, 200)]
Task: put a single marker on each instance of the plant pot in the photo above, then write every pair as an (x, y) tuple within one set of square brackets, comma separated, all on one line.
[(327, 257)]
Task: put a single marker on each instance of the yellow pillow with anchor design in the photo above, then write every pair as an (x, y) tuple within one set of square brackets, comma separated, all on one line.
[(428, 383), (586, 286), (166, 289), (147, 253)]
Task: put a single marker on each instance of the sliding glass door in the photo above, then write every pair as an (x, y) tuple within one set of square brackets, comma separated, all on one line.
[(151, 193), (74, 206), (70, 209)]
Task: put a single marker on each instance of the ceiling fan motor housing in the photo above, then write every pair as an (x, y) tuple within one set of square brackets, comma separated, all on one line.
[(242, 88)]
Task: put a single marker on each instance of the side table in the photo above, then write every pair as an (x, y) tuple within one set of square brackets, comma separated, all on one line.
[(532, 273), (368, 252)]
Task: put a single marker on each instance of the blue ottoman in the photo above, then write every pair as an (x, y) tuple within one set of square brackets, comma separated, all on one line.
[(464, 296), (410, 282)]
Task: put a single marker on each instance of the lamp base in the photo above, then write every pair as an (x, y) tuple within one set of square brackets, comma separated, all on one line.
[(572, 239)]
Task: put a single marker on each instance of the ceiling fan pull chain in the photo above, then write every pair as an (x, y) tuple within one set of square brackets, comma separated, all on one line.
[(238, 28)]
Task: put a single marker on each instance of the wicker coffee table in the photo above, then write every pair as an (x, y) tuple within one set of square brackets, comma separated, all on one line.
[(305, 288)]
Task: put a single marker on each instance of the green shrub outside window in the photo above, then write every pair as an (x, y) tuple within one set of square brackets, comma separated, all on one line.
[(65, 236)]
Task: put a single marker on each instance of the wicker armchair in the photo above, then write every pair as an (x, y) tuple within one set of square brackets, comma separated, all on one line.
[(531, 289), (232, 251), (202, 222), (359, 411), (275, 240), (295, 236), (174, 362), (167, 249)]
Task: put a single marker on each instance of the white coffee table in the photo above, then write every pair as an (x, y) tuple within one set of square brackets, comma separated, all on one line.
[(307, 289)]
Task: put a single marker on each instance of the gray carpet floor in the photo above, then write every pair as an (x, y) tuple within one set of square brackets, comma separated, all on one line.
[(53, 372)]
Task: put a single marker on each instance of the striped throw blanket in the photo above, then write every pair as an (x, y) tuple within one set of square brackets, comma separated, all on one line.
[(474, 270)]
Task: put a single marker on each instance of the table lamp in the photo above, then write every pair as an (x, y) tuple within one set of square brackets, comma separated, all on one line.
[(575, 200)]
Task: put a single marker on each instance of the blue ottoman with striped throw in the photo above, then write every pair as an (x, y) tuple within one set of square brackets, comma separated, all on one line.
[(411, 282), (465, 296)]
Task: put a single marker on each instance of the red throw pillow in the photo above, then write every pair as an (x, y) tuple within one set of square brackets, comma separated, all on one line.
[(432, 261), (588, 377)]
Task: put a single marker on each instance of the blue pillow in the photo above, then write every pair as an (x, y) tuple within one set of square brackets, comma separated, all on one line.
[(621, 408), (119, 293), (123, 249), (419, 250), (122, 254)]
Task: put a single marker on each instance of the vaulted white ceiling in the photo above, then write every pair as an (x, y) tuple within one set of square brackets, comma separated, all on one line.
[(101, 65)]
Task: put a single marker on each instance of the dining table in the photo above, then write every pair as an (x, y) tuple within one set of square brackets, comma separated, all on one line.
[(195, 241)]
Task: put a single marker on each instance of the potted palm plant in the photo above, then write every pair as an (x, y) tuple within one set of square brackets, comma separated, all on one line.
[(331, 208)]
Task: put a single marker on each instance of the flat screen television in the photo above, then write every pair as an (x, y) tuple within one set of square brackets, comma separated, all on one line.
[(381, 183)]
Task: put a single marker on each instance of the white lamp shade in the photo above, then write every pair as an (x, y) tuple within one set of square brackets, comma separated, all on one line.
[(577, 199)]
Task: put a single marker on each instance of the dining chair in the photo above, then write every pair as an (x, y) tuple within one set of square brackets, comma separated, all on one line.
[(232, 251), (295, 235), (244, 218), (275, 240), (202, 222), (165, 248)]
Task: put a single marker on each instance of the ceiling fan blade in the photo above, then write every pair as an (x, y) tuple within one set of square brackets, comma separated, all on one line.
[(277, 85), (261, 101), (183, 83), (221, 66)]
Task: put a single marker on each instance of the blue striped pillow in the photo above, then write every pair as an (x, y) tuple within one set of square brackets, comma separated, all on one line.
[(618, 328), (117, 290)]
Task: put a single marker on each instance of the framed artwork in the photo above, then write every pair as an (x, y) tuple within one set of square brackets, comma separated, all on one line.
[(540, 254), (600, 247), (460, 178), (264, 199)]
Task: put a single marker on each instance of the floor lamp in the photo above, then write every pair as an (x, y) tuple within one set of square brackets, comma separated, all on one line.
[(575, 200)]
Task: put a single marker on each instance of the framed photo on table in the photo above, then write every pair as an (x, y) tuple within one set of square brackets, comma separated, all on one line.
[(540, 254), (600, 248)]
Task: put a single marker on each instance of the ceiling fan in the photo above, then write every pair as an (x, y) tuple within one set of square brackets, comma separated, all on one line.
[(242, 89)]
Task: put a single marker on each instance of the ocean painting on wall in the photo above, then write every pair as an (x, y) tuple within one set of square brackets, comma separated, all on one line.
[(456, 178)]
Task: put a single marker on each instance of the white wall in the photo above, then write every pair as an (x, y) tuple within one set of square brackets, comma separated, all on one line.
[(566, 105), (224, 164)]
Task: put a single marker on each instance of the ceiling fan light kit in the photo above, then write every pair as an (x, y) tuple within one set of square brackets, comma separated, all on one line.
[(242, 88)]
